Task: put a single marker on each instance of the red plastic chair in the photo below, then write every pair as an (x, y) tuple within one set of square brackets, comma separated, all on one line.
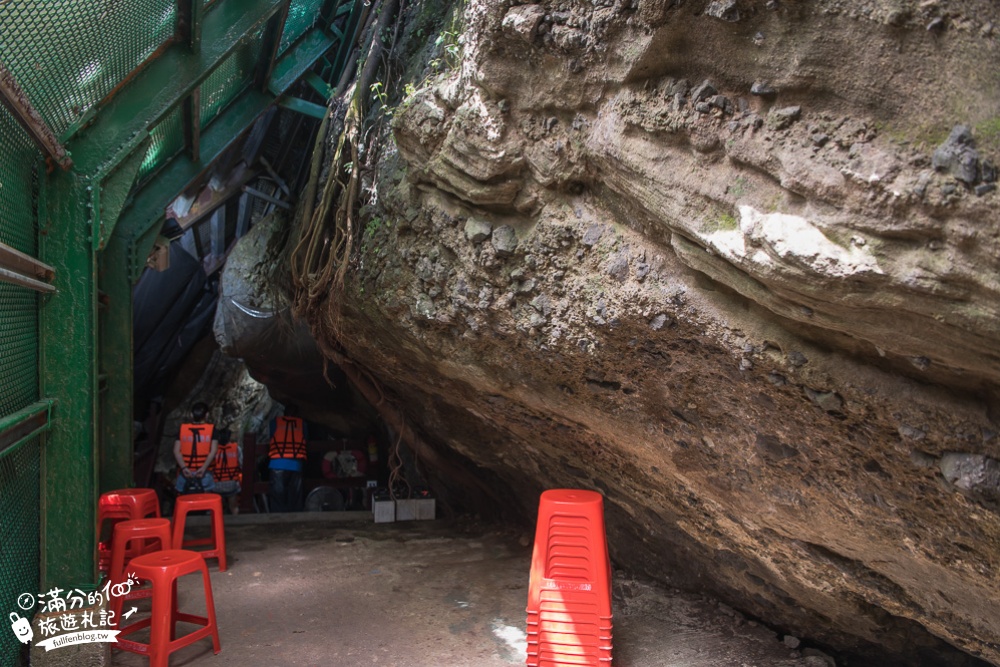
[(163, 568), (147, 531), (122, 505), (197, 502), (569, 590)]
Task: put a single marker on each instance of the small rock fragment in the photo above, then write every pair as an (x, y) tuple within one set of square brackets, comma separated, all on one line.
[(526, 287), (975, 474), (985, 188), (727, 10), (797, 359), (721, 102), (820, 138), (779, 119), (504, 240), (936, 25), (522, 21), (791, 642), (829, 401), (958, 155), (987, 171), (908, 432), (592, 235), (477, 230), (657, 322), (679, 87), (618, 266), (543, 304), (703, 91), (424, 306), (762, 89)]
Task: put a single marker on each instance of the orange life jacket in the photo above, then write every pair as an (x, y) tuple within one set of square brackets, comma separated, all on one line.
[(226, 465), (196, 443), (288, 441)]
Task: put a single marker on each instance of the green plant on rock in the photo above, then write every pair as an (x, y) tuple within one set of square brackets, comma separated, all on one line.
[(449, 41), (381, 98), (372, 226)]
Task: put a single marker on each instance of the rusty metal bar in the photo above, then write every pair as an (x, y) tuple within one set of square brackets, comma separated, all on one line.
[(24, 424), (17, 261), (19, 105), (24, 281)]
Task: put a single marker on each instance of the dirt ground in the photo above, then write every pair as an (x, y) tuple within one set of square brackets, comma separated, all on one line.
[(337, 589)]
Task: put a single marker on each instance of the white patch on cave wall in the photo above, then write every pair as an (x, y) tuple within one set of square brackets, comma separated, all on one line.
[(773, 239)]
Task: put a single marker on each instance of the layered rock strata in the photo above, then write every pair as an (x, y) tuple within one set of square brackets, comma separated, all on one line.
[(732, 264)]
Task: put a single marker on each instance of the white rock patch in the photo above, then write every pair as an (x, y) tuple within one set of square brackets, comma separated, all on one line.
[(770, 239)]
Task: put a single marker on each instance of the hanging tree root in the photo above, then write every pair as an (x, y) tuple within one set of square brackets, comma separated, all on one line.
[(329, 228)]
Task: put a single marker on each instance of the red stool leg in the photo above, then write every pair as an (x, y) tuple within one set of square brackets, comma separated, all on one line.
[(219, 532), (206, 583)]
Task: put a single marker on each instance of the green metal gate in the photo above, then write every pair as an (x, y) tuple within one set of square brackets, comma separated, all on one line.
[(19, 383), (109, 110)]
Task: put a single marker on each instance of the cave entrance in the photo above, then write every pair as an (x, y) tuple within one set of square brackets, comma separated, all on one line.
[(213, 324)]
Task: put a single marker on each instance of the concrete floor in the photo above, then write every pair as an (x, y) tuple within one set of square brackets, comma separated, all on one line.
[(335, 589)]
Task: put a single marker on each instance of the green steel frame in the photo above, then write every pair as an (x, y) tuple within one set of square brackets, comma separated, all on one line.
[(97, 225)]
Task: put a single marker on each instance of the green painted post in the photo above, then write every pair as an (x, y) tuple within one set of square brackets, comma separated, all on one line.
[(116, 363), (69, 375)]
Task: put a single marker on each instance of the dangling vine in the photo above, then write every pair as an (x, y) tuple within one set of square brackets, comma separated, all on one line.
[(329, 228)]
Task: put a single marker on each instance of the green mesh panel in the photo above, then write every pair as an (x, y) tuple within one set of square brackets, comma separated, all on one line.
[(302, 15), (229, 79), (19, 538), (18, 157), (18, 348), (68, 55), (166, 141)]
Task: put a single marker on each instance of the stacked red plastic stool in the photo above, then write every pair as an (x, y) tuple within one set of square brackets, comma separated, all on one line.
[(162, 569), (569, 591), (123, 505), (153, 535)]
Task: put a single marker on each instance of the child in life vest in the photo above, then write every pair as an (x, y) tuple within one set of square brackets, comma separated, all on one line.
[(227, 468)]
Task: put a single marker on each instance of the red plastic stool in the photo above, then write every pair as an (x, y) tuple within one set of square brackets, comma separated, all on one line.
[(120, 505), (163, 568), (569, 590), (193, 503), (146, 530)]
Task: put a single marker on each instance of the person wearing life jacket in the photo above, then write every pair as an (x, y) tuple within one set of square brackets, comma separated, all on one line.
[(287, 454), (227, 468), (194, 451)]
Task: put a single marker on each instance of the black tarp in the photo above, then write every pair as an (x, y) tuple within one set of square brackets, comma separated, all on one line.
[(172, 310)]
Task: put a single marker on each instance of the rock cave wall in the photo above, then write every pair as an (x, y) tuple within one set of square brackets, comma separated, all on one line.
[(732, 264)]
